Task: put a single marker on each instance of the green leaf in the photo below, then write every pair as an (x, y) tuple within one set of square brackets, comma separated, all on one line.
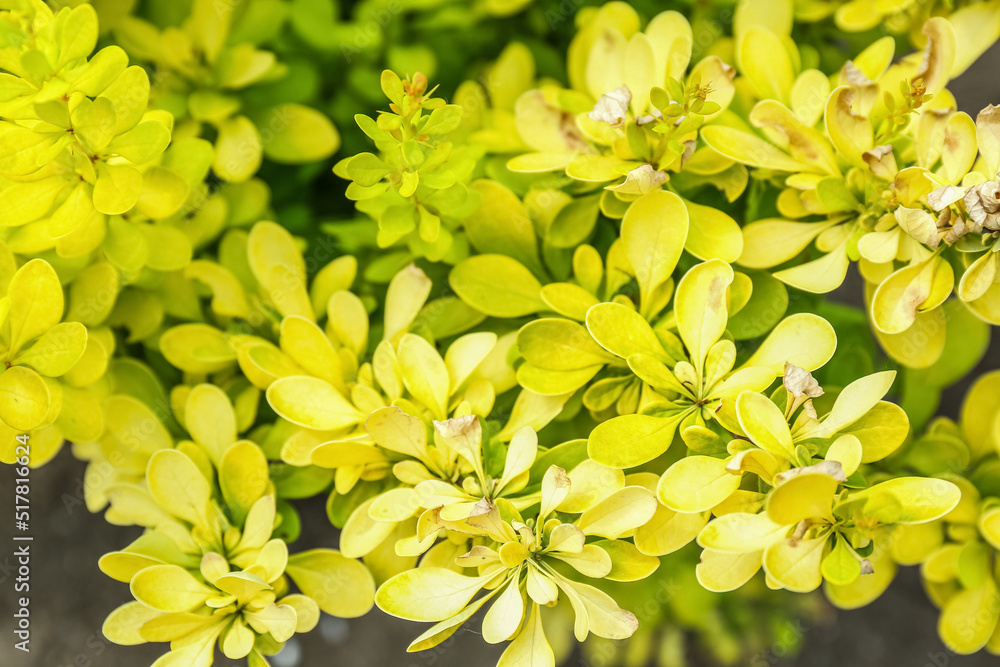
[(574, 223)]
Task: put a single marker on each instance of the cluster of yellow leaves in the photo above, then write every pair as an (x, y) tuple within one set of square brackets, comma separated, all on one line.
[(79, 147), (959, 554), (872, 164), (205, 64), (520, 563), (207, 569), (496, 448), (49, 364), (905, 17)]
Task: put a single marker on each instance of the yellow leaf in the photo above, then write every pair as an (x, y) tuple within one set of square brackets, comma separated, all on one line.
[(803, 339), (750, 149), (446, 628), (362, 534), (700, 307), (36, 302), (853, 402), (979, 410), (909, 499), (299, 135), (521, 453), (865, 588), (847, 451), (228, 297), (712, 234), (969, 619), (820, 275), (341, 586), (741, 532), (805, 143), (765, 424), (209, 418), (424, 373), (497, 285), (774, 241), (796, 564), (849, 131), (597, 612), (428, 594), (908, 291), (129, 95), (805, 496), (627, 441), (397, 431), (57, 350), (621, 512), (117, 188), (179, 487), (627, 562), (312, 403), (309, 347), (591, 483), (668, 531), (243, 477), (696, 484), (407, 293), (197, 348), (530, 648), (169, 588), (623, 332), (464, 355), (504, 617), (237, 150), (653, 233), (122, 625), (25, 398), (719, 571), (76, 210)]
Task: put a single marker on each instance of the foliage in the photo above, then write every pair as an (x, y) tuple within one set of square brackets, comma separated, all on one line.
[(564, 340)]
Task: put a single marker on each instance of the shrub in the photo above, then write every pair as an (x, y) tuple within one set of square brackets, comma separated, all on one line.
[(566, 325)]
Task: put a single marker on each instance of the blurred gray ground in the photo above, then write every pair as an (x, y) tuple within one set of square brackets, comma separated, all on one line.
[(71, 597)]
